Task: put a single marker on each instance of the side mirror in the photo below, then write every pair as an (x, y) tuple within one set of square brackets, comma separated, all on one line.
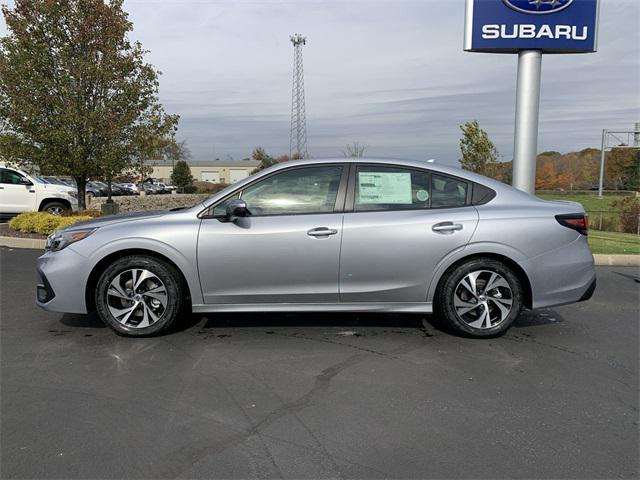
[(25, 181), (236, 208)]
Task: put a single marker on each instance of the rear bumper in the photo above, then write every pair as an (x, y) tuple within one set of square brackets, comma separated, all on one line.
[(589, 293), (562, 276)]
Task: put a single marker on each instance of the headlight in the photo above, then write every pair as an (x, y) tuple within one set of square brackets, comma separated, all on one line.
[(61, 239)]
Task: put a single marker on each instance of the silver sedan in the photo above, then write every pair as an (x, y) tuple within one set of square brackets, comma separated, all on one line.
[(329, 235)]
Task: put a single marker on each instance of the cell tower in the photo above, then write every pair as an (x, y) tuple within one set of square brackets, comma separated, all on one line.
[(298, 138)]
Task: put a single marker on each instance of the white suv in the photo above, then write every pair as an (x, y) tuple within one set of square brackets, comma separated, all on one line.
[(21, 192)]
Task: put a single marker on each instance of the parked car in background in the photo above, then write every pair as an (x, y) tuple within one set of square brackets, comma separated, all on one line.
[(129, 188), (21, 192), (93, 189), (116, 191), (165, 188), (151, 189), (329, 235)]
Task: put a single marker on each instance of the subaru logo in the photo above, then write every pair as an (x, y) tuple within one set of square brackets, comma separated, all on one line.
[(538, 6)]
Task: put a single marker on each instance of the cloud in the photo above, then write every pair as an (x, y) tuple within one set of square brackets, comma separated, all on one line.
[(389, 74)]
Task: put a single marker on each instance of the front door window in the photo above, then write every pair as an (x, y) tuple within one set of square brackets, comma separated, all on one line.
[(297, 191)]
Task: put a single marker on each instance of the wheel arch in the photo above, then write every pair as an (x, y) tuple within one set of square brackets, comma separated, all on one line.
[(48, 200), (509, 262), (100, 266)]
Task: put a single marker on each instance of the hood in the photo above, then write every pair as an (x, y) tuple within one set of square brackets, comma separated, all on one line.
[(113, 219), (57, 188)]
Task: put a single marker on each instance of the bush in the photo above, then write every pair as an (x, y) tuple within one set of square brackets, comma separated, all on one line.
[(23, 222), (93, 213), (629, 213), (208, 187), (189, 189), (44, 223)]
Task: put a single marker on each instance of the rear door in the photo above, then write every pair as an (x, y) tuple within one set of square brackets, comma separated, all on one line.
[(402, 223)]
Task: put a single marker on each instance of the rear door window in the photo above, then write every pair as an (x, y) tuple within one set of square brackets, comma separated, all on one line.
[(390, 188), (448, 192)]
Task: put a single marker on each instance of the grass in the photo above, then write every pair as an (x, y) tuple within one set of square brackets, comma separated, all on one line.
[(614, 243), (603, 216)]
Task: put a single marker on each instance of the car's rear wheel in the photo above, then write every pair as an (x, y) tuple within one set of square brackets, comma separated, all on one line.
[(481, 297), (139, 295)]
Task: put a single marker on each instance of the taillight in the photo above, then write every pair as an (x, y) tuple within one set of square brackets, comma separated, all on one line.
[(576, 221)]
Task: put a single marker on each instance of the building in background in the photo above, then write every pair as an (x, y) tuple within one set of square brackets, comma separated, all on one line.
[(218, 171)]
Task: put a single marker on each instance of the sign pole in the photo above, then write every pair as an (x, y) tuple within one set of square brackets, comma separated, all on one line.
[(525, 147)]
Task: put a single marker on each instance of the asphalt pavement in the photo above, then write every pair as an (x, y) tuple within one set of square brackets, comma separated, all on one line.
[(319, 395)]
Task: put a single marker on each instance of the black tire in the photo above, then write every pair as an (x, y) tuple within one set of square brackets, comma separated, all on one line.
[(450, 285), (163, 271), (55, 208)]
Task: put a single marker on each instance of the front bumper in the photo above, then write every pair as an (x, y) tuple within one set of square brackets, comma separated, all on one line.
[(63, 276)]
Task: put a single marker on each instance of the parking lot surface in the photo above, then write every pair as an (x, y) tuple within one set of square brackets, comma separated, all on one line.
[(320, 396)]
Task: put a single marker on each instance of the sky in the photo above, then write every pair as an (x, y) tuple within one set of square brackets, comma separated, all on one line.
[(391, 75)]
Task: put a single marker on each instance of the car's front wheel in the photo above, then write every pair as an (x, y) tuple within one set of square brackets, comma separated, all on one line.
[(55, 208), (481, 297), (139, 295)]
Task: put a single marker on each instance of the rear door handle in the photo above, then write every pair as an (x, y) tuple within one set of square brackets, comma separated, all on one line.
[(321, 232), (446, 227)]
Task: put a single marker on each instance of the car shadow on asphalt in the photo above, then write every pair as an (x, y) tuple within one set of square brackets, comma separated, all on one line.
[(428, 324)]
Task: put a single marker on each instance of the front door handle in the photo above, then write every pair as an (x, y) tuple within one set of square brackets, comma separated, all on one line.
[(321, 232), (446, 227)]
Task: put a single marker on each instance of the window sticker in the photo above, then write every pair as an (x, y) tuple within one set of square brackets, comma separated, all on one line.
[(422, 195), (384, 187)]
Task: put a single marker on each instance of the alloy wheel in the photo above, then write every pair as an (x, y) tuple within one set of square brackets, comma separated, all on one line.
[(137, 298), (55, 210), (483, 299)]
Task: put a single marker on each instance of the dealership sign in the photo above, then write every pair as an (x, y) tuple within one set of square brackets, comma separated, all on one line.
[(549, 26)]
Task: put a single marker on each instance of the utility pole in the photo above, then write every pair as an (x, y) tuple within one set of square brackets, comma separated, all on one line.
[(625, 139), (298, 136)]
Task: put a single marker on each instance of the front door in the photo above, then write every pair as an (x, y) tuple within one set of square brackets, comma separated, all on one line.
[(403, 222), (286, 251)]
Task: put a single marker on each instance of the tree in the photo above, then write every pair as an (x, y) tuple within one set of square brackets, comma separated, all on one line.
[(546, 176), (622, 169), (263, 157), (479, 154), (176, 151), (76, 96), (181, 175), (354, 150)]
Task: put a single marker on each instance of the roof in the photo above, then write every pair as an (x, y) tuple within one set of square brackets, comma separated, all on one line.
[(215, 163)]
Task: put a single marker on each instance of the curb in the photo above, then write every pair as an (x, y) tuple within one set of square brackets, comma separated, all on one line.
[(617, 260), (16, 242), (599, 259)]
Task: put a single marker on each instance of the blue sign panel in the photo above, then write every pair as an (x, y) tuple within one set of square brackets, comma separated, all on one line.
[(552, 26)]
